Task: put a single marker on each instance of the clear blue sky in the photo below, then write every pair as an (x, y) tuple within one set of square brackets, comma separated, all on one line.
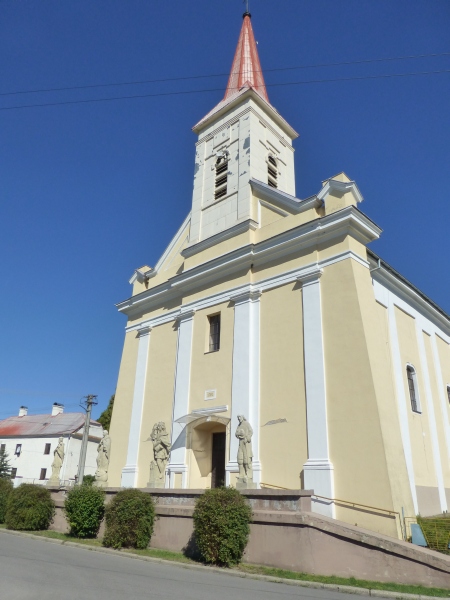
[(91, 191)]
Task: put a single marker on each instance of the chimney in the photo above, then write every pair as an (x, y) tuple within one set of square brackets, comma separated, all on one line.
[(23, 411), (57, 409)]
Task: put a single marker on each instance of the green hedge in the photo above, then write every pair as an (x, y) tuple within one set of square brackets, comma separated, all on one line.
[(84, 508), (29, 507), (6, 487), (222, 525), (88, 480), (129, 520)]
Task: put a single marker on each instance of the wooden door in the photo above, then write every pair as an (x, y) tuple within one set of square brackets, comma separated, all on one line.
[(218, 459)]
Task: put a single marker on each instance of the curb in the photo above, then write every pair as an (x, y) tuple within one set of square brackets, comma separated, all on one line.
[(230, 572)]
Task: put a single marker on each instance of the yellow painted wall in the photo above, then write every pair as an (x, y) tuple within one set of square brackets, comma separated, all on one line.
[(212, 370), (424, 469), (355, 437), (121, 417), (159, 388), (437, 405), (283, 446)]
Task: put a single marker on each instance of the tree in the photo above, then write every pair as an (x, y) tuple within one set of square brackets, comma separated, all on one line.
[(105, 417), (5, 467)]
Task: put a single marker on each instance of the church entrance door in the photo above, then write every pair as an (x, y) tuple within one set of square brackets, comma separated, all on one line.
[(218, 459)]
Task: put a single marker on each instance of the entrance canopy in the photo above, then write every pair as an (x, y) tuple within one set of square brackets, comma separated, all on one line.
[(204, 416)]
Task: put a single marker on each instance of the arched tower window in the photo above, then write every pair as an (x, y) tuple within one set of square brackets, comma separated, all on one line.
[(413, 389), (272, 171), (221, 180), (448, 393)]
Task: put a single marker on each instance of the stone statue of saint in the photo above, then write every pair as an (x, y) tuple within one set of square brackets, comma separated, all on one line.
[(161, 452), (244, 434), (58, 459), (103, 455)]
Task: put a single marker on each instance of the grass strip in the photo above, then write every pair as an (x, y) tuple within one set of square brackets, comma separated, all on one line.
[(332, 579), (178, 557)]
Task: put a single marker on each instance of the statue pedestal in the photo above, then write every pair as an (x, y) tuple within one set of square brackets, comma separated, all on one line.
[(244, 483), (53, 483), (155, 480), (100, 484), (159, 483)]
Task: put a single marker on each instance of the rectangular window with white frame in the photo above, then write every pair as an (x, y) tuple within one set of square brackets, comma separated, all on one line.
[(413, 389), (214, 333)]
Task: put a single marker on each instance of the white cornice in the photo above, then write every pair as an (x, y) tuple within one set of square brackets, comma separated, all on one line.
[(410, 299), (219, 237), (348, 221), (243, 95), (249, 291), (282, 199), (142, 275), (340, 188)]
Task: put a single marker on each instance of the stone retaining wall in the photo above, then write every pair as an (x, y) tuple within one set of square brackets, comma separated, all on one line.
[(286, 534)]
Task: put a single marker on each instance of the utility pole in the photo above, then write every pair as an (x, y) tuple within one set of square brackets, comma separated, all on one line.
[(87, 404)]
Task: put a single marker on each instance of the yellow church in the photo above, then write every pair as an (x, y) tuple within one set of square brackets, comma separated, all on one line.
[(269, 347)]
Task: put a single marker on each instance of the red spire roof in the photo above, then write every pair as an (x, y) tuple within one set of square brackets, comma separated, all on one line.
[(246, 67)]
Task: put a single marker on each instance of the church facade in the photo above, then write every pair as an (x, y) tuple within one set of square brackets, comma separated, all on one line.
[(273, 309)]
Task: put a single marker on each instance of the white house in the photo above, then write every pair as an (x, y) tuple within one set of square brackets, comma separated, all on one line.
[(30, 441)]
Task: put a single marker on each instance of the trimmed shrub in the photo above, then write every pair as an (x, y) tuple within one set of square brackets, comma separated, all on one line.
[(129, 520), (29, 507), (84, 508), (222, 525), (6, 487), (88, 480)]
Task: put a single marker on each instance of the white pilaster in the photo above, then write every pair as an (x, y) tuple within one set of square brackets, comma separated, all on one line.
[(443, 400), (177, 462), (402, 402), (130, 471), (431, 417), (246, 376), (318, 470)]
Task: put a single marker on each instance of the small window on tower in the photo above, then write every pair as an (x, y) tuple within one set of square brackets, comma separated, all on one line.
[(272, 171), (221, 177), (47, 448), (43, 474), (448, 393), (214, 333)]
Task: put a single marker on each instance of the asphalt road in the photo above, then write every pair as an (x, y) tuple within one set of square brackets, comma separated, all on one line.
[(32, 569)]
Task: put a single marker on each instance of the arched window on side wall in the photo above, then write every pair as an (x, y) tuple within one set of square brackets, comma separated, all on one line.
[(413, 389), (448, 394)]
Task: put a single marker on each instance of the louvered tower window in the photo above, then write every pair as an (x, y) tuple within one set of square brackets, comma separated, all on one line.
[(221, 177), (272, 171), (413, 391)]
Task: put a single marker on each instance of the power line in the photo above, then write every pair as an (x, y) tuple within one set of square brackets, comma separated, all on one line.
[(310, 81), (167, 79)]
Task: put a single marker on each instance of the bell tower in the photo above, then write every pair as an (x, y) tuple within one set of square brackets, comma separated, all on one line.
[(242, 139)]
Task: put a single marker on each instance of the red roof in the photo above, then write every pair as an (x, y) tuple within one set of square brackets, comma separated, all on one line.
[(246, 68), (42, 425)]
